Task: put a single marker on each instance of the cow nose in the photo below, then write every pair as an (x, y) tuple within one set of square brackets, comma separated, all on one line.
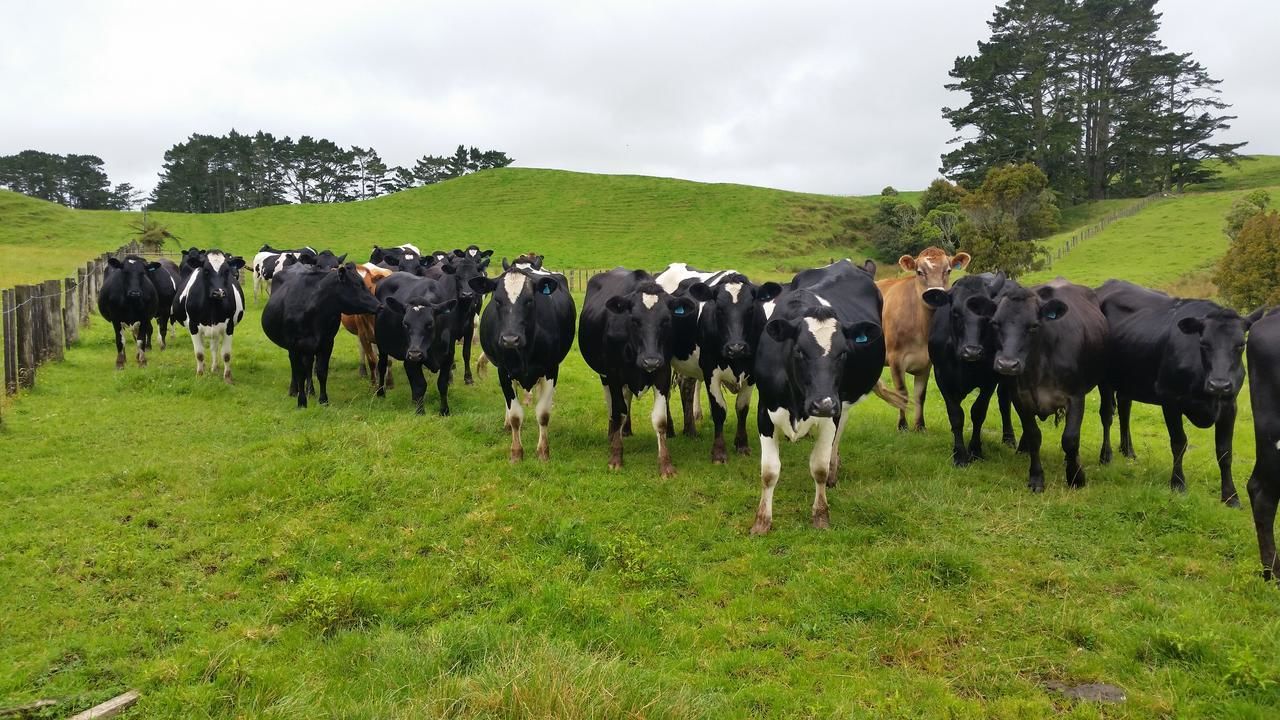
[(1007, 366), (467, 295), (1219, 387), (509, 341), (735, 350), (934, 297), (971, 352), (218, 294), (414, 355), (649, 364), (135, 293), (824, 408)]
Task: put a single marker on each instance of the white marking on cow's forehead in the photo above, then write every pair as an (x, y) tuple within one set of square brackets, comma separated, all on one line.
[(822, 331), (822, 301), (513, 284), (216, 260), (1278, 444), (132, 262), (733, 289), (649, 300), (417, 308), (408, 256), (768, 309)]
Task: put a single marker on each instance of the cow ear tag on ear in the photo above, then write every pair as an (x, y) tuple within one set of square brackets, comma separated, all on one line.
[(546, 289), (861, 338), (678, 310)]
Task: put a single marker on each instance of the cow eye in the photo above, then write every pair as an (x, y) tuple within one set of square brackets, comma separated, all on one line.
[(920, 273)]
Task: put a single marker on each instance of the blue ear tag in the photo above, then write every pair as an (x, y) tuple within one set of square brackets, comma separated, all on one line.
[(861, 338), (1052, 315), (546, 290), (679, 310)]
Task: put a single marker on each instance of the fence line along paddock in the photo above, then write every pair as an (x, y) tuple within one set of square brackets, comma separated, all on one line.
[(1087, 232)]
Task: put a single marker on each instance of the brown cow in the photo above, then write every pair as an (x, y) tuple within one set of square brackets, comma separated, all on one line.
[(362, 325), (906, 320)]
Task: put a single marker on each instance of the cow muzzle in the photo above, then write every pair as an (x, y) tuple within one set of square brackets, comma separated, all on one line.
[(650, 364), (934, 297), (414, 356), (1219, 387), (134, 293), (971, 353), (218, 294), (823, 408), (736, 350), (1008, 366), (510, 342)]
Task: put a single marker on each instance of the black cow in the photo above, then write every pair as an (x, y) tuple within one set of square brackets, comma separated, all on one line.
[(626, 334), (303, 316), (1264, 393), (457, 272), (821, 351), (480, 257), (1183, 355), (128, 297), (962, 351), (721, 349), (1052, 339), (526, 331), (211, 305), (165, 279), (416, 327)]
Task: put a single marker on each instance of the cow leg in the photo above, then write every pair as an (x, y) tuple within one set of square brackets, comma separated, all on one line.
[(661, 420), (322, 370), (719, 411), (820, 468), (144, 341), (626, 421), (617, 407), (834, 465), (1223, 432), (163, 322), (1178, 445), (697, 405), (1071, 441), (417, 386), (293, 374), (770, 468), (304, 377), (390, 378), (1124, 405), (381, 381), (364, 358), (226, 356), (671, 423), (689, 403), (442, 386), (466, 358), (513, 415), (115, 325), (955, 416), (919, 388), (899, 384), (1031, 445), (197, 342), (1264, 496), (743, 405), (1006, 419), (978, 416), (546, 398)]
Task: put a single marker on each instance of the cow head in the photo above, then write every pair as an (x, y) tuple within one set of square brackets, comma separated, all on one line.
[(969, 306), (731, 304), (1016, 322), (350, 291), (473, 252), (464, 269), (1212, 345), (645, 318), (816, 348), (326, 260), (933, 269), (513, 301), (529, 260), (219, 272), (424, 321), (134, 272)]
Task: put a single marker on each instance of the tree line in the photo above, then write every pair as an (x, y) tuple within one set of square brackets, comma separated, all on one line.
[(1085, 91), (211, 174), (77, 181)]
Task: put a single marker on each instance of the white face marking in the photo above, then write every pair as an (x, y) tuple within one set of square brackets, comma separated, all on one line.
[(733, 289), (132, 262), (649, 300), (408, 256), (822, 331), (1278, 444), (216, 260), (416, 308), (768, 309), (822, 301), (513, 284)]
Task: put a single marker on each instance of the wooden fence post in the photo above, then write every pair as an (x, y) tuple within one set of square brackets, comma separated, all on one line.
[(70, 312), (22, 334), (8, 312), (55, 336)]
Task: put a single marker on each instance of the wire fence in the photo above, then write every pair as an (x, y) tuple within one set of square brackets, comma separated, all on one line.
[(1085, 233)]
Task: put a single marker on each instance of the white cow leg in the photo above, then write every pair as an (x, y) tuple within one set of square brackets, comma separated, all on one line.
[(835, 448), (770, 468), (546, 398), (515, 421), (659, 419), (226, 358), (197, 343), (819, 467), (697, 404)]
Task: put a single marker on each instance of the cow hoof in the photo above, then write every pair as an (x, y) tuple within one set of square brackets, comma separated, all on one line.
[(1232, 502), (420, 410), (626, 432), (1009, 441), (444, 412), (961, 459), (1104, 457), (517, 455), (667, 472), (831, 480), (381, 392), (761, 526), (920, 427), (1129, 454), (719, 459), (227, 379), (821, 520), (1036, 484), (323, 399), (544, 454), (743, 449), (468, 381), (1178, 485), (615, 464)]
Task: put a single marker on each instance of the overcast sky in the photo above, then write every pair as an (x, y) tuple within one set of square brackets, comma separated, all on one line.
[(839, 97)]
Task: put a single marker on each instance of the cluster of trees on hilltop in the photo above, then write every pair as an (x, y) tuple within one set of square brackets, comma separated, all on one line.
[(207, 173), (77, 181), (1086, 91)]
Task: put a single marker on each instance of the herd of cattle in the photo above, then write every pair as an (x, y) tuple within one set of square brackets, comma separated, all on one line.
[(813, 347)]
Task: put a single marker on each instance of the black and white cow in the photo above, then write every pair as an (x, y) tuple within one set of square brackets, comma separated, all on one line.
[(526, 331), (822, 351), (726, 331), (212, 305), (1183, 355), (268, 261), (303, 315), (458, 271), (962, 349), (626, 335), (1264, 393), (416, 327), (405, 258), (128, 298), (1051, 339), (165, 279)]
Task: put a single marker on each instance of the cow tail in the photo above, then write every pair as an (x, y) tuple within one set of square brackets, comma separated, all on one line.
[(482, 365), (891, 396)]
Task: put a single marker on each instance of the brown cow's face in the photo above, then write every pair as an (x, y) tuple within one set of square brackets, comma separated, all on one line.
[(933, 268)]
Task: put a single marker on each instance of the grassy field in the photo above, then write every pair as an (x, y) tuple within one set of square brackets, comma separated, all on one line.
[(231, 556)]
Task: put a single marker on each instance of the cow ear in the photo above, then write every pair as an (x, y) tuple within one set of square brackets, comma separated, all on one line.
[(618, 304), (114, 262), (782, 330), (1045, 293), (869, 267), (391, 260), (153, 266), (1053, 309), (546, 286), (997, 284), (960, 261), (426, 261), (936, 297), (640, 274), (376, 255), (1191, 326), (505, 265), (1254, 317), (768, 291), (700, 292), (482, 285), (444, 307), (194, 261), (237, 262), (342, 258), (537, 262), (448, 268), (681, 306), (394, 304), (908, 263), (862, 333), (307, 258), (486, 253), (979, 305), (458, 253)]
